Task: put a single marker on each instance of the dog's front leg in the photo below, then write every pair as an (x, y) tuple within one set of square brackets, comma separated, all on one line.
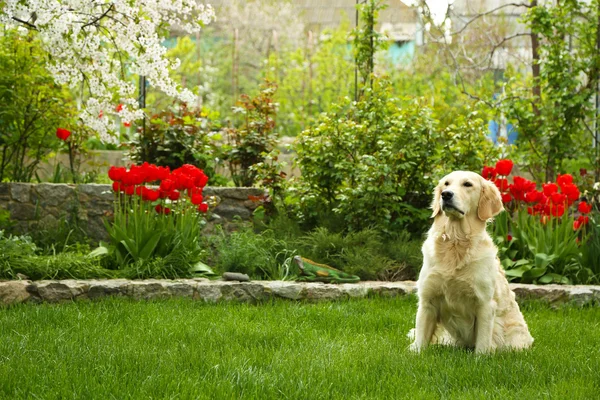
[(484, 327), (425, 326)]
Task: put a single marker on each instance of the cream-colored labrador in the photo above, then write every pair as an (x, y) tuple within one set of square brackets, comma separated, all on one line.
[(464, 297)]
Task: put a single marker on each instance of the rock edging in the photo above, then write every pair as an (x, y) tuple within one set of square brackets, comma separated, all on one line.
[(51, 291)]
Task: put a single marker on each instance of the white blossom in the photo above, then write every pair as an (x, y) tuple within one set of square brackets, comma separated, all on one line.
[(100, 43)]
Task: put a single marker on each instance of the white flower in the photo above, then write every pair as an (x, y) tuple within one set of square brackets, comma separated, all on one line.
[(100, 43)]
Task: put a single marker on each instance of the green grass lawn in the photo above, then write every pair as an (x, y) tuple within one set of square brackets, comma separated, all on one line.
[(181, 349)]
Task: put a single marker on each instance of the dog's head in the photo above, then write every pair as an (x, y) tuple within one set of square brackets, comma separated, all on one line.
[(463, 194)]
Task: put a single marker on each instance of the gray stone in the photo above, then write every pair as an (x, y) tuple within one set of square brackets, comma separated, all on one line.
[(55, 291), (21, 192), (95, 229), (236, 276), (322, 291), (22, 211), (55, 194), (108, 287), (14, 292), (231, 211), (242, 291), (557, 294), (208, 291), (354, 290), (181, 288), (99, 191), (5, 190), (251, 204), (286, 290), (391, 289), (148, 289)]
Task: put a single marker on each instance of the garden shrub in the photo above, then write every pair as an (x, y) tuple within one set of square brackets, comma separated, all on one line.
[(173, 138), (376, 161), (255, 140), (19, 255), (366, 253), (260, 256)]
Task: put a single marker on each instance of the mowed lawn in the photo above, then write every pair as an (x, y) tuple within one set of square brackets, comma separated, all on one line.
[(181, 349)]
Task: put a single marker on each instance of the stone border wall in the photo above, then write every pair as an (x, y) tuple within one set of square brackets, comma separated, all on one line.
[(41, 206), (13, 292)]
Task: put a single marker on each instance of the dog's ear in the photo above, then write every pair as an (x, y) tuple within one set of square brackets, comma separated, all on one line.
[(435, 205), (490, 201)]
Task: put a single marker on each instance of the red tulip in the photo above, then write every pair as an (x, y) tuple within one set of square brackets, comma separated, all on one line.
[(203, 207), (167, 185), (584, 207), (501, 183), (174, 195), (196, 199), (503, 167), (116, 173), (549, 188), (506, 197), (63, 134), (533, 196), (566, 179), (558, 198), (571, 191), (558, 210), (488, 172), (521, 187)]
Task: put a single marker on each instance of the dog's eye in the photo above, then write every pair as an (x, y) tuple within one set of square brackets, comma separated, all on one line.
[(446, 183), (467, 184)]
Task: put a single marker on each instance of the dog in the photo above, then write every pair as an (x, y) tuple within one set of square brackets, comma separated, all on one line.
[(464, 297)]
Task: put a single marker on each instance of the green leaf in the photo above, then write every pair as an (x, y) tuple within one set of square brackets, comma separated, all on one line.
[(518, 272), (202, 269), (99, 251), (534, 273), (148, 249)]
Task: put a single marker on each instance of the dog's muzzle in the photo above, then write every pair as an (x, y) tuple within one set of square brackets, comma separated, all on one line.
[(448, 203)]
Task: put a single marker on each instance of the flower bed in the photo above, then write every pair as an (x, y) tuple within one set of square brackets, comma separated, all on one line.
[(548, 233)]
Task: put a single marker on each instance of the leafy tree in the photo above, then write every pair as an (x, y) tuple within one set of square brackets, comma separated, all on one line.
[(554, 108), (33, 107)]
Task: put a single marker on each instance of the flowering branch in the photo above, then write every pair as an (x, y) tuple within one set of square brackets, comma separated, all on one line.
[(99, 43)]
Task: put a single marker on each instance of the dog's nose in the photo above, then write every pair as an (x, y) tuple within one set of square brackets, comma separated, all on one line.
[(447, 195)]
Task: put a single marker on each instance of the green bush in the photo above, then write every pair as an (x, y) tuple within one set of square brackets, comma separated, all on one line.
[(19, 255), (255, 140), (259, 255), (176, 137), (366, 253), (375, 161)]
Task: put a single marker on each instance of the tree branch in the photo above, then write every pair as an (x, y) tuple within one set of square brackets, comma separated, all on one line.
[(469, 22), (27, 23), (98, 18)]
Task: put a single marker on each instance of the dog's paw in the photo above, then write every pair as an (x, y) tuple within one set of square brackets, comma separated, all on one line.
[(414, 347), (483, 351), (411, 334)]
